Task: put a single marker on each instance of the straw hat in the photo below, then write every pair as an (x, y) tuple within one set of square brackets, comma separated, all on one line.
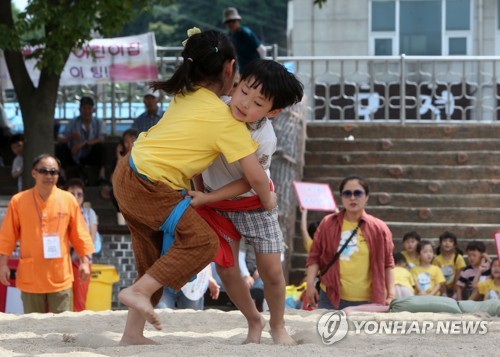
[(231, 14)]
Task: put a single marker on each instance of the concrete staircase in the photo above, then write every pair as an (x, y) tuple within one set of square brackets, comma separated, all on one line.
[(428, 178)]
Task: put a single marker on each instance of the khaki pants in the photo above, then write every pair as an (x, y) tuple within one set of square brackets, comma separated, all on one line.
[(52, 302)]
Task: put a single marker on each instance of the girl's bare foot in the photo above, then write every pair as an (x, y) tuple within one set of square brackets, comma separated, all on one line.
[(281, 337), (255, 331), (141, 303), (129, 341)]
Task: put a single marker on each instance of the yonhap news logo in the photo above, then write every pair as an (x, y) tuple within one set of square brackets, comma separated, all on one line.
[(333, 327)]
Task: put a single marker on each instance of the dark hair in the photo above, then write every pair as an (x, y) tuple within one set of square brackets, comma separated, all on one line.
[(278, 85), (43, 157), (412, 234), (422, 244), (312, 227), (362, 181), (204, 57), (131, 132), (453, 237), (16, 138), (399, 258), (86, 101), (476, 245), (75, 182)]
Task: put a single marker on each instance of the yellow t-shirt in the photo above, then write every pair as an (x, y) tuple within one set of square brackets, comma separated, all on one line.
[(428, 277), (308, 245), (489, 290), (411, 262), (355, 278), (194, 130), (449, 267), (404, 278)]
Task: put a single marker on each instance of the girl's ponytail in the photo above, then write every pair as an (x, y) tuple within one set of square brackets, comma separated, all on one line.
[(204, 56)]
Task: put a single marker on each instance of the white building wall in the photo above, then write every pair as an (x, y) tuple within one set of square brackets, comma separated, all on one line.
[(339, 28)]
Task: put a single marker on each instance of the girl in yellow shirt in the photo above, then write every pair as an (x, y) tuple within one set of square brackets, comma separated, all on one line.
[(428, 277), (449, 258)]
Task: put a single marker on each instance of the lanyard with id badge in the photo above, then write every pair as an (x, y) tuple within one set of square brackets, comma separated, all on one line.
[(51, 241)]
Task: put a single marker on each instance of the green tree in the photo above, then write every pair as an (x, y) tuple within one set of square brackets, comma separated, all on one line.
[(169, 23), (53, 27)]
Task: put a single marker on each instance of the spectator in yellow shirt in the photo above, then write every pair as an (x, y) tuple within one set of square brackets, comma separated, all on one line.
[(490, 288), (410, 242), (428, 277), (403, 279), (449, 258)]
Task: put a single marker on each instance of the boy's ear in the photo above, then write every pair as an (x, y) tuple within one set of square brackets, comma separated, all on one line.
[(273, 113), (230, 68)]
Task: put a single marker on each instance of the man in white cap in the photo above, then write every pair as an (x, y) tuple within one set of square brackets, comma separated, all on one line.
[(247, 44), (152, 114)]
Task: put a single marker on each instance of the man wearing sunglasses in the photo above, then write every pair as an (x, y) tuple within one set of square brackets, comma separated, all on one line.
[(247, 44), (44, 221)]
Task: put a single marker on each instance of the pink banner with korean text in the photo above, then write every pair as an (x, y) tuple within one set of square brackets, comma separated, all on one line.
[(315, 196), (122, 59), (496, 237)]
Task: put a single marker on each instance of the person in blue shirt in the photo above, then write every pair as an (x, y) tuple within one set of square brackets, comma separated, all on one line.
[(82, 143), (152, 114), (247, 44)]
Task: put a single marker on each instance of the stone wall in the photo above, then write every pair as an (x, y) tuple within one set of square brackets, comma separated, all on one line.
[(117, 251)]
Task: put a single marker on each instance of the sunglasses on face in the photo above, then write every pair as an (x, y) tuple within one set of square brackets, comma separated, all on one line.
[(349, 193), (45, 172)]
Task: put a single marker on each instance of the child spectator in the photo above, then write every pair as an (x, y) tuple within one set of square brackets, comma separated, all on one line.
[(490, 288), (17, 147), (428, 277), (80, 288), (410, 242), (122, 149), (477, 270), (307, 230), (403, 279), (265, 88), (449, 258)]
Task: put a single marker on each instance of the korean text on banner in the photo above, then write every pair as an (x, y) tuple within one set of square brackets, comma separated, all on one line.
[(315, 196), (122, 59)]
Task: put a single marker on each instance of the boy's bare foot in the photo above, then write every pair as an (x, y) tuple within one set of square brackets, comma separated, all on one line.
[(255, 331), (129, 341), (142, 304), (281, 337)]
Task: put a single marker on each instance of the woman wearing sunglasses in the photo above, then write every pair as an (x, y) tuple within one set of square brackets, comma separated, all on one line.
[(353, 251)]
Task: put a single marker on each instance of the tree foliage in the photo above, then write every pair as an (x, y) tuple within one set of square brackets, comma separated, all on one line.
[(268, 19), (53, 27)]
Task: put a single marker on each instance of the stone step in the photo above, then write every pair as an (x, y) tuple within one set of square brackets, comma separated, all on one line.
[(437, 200), (420, 158), (424, 186), (395, 145), (436, 214), (425, 200), (409, 131), (319, 173)]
